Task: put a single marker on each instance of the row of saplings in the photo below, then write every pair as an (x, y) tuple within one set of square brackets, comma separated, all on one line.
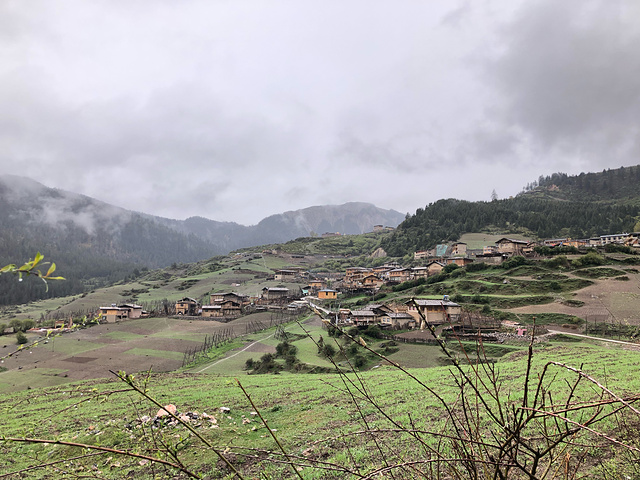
[(343, 351)]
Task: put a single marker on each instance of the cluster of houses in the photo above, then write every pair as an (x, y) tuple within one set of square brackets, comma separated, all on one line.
[(406, 315), (231, 304), (359, 279), (226, 305), (116, 313), (506, 247)]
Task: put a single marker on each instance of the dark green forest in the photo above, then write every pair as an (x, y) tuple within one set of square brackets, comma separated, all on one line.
[(609, 185), (554, 206), (89, 260)]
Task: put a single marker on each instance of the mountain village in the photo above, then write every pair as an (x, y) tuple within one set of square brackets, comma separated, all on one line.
[(327, 288)]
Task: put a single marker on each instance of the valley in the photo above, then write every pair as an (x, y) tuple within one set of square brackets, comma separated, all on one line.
[(415, 364)]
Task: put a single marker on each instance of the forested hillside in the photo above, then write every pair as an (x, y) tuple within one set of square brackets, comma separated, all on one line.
[(89, 259), (95, 244), (547, 209), (618, 184)]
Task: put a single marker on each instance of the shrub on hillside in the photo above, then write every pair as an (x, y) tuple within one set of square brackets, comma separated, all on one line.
[(560, 261), (450, 268), (476, 267), (284, 349), (333, 332), (359, 361), (590, 259), (28, 324), (410, 284), (440, 277), (458, 272), (373, 331), (21, 338), (559, 250), (514, 262), (328, 350), (615, 248)]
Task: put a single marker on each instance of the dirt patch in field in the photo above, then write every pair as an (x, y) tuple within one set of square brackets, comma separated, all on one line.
[(80, 359), (615, 299), (69, 353), (314, 321)]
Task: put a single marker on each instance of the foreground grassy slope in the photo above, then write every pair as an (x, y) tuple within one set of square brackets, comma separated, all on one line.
[(314, 417)]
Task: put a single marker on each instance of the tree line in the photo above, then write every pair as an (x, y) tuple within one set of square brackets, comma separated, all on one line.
[(446, 220)]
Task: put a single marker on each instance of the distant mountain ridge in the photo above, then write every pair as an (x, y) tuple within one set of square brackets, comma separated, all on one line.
[(95, 243)]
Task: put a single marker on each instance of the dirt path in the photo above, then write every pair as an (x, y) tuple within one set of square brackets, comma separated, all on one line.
[(234, 354), (600, 339)]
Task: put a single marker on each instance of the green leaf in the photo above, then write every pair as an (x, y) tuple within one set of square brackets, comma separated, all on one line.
[(8, 268), (38, 259), (52, 269)]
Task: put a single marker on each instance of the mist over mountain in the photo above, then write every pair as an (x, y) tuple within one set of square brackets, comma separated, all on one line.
[(94, 243)]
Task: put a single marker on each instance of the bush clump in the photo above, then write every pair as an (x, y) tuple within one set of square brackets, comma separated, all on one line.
[(588, 260), (21, 338)]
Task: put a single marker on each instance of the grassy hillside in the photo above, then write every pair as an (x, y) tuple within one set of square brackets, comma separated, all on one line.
[(368, 425)]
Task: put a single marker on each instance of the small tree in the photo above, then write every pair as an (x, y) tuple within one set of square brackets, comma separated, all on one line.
[(328, 350), (28, 324), (21, 338), (16, 324)]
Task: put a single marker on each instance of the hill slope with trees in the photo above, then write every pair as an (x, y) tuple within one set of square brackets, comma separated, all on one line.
[(556, 206), (95, 244)]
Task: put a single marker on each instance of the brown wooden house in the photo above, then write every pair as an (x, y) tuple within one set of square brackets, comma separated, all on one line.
[(460, 261), (285, 275), (364, 317), (510, 246), (433, 268), (231, 308), (212, 311), (187, 306), (400, 275), (397, 320), (116, 313), (327, 294), (316, 285), (274, 293), (372, 281), (228, 296), (435, 311)]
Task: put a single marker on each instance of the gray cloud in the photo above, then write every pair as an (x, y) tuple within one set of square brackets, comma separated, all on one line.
[(238, 110), (566, 82)]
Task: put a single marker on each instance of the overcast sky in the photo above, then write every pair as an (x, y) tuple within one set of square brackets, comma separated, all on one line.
[(238, 109)]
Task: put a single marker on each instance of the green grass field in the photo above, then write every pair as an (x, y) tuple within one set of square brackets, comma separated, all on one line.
[(69, 346), (313, 416)]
